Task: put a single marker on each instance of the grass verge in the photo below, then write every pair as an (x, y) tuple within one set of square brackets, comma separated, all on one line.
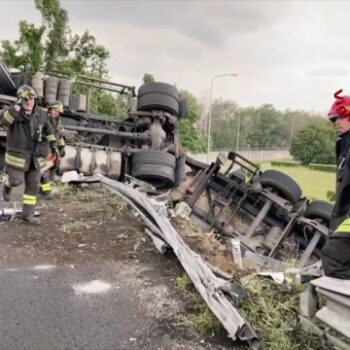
[(200, 317), (272, 310)]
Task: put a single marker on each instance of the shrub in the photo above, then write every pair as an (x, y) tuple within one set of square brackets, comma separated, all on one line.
[(331, 168), (314, 144), (284, 163)]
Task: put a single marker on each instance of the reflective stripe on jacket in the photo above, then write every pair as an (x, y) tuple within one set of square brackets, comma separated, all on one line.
[(26, 135)]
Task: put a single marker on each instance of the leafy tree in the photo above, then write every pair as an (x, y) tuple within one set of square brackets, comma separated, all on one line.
[(55, 21), (53, 46), (148, 78), (189, 138), (314, 144)]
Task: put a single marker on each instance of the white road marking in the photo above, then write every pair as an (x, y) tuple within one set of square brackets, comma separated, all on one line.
[(92, 287)]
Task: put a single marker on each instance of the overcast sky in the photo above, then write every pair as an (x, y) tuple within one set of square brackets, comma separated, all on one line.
[(291, 54)]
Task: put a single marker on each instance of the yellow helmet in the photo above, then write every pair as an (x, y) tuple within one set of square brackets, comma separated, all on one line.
[(57, 106), (25, 92)]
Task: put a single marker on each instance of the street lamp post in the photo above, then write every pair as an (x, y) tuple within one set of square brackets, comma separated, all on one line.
[(210, 106)]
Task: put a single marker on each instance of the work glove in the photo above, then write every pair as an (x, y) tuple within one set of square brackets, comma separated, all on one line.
[(56, 154), (20, 103)]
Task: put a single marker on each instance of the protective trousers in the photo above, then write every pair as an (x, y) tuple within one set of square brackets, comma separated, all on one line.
[(336, 257), (45, 185), (31, 180)]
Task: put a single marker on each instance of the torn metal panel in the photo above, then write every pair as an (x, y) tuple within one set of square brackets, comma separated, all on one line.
[(336, 312), (310, 327), (207, 284), (332, 284)]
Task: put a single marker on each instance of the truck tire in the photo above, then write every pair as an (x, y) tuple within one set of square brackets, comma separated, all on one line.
[(7, 86), (180, 170), (158, 96), (162, 88), (282, 183), (154, 157), (182, 108), (158, 101), (159, 176), (319, 209)]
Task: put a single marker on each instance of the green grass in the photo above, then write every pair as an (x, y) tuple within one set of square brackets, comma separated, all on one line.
[(314, 183)]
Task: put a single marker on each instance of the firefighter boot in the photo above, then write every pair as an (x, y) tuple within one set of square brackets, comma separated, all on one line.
[(30, 219), (6, 193)]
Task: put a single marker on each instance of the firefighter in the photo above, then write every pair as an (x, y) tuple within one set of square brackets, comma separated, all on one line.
[(54, 112), (28, 129), (336, 252)]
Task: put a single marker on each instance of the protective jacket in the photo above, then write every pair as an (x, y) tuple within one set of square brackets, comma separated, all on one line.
[(26, 137), (340, 222), (59, 131)]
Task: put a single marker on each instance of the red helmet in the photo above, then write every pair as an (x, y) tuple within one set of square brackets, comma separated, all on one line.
[(340, 108)]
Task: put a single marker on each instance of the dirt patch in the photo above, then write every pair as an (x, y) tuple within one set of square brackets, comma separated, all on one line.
[(89, 228), (217, 252), (78, 225)]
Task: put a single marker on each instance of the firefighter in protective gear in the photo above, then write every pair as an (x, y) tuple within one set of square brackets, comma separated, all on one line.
[(54, 112), (28, 129), (336, 252)]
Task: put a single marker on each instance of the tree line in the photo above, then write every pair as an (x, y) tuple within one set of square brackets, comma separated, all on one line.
[(53, 46)]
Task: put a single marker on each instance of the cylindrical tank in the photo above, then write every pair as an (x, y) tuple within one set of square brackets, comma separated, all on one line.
[(90, 161), (101, 162), (114, 165), (82, 103), (51, 86), (86, 161), (64, 90), (68, 162)]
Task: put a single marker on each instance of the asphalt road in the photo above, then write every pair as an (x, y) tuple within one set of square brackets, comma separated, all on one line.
[(84, 280)]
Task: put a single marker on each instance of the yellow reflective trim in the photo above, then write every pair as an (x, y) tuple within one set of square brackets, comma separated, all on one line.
[(46, 187), (50, 137), (344, 226), (13, 160), (8, 117), (61, 143), (29, 199)]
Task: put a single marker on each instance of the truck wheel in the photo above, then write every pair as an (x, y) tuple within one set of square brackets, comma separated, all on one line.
[(319, 209), (162, 88), (158, 96), (154, 157), (157, 175), (282, 183), (182, 107)]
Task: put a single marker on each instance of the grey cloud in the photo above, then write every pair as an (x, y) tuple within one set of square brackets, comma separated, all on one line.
[(327, 72), (207, 22)]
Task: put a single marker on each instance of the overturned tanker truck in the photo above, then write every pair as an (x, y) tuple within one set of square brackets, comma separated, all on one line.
[(143, 144), (264, 210)]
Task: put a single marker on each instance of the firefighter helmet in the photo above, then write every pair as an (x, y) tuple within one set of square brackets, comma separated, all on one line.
[(25, 92), (340, 108), (57, 106)]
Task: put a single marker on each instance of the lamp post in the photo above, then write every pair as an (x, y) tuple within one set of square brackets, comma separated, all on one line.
[(210, 106)]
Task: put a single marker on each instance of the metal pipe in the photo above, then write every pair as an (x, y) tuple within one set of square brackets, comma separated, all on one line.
[(95, 79), (310, 248), (124, 134), (98, 86), (258, 220)]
